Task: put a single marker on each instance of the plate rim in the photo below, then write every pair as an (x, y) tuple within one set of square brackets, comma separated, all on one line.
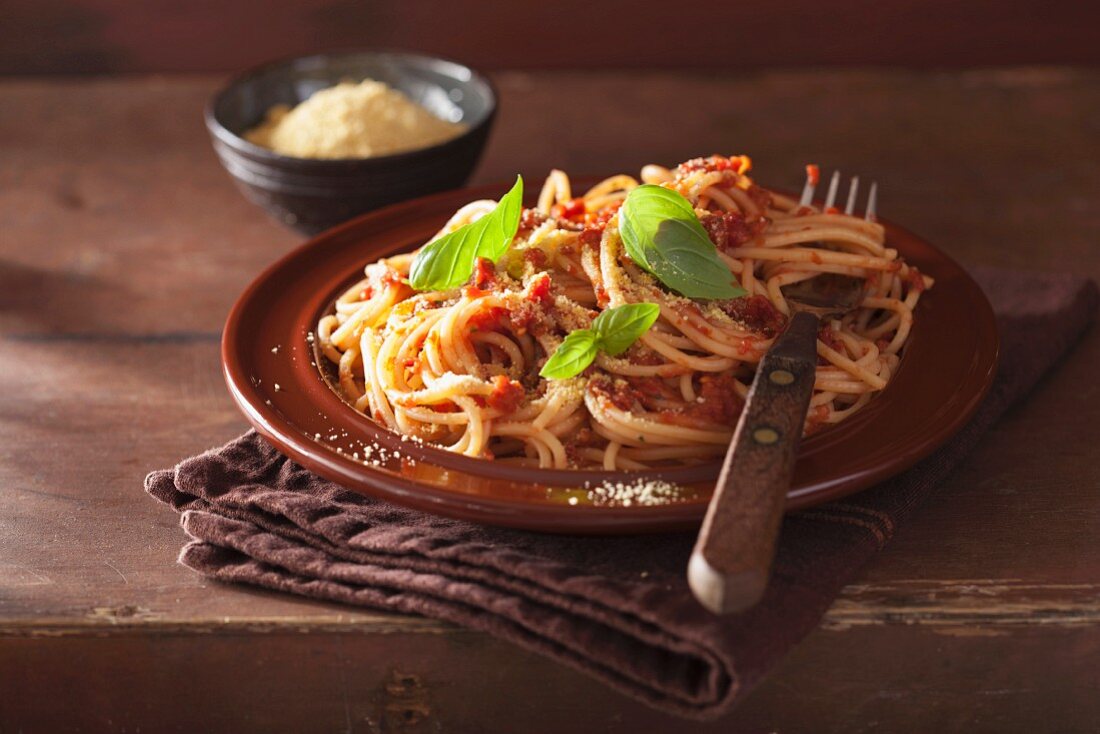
[(292, 442)]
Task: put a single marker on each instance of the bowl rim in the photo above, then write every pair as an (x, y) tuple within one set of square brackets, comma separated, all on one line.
[(239, 144)]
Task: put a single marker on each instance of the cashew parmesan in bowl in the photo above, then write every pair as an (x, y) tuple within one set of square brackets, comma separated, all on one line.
[(352, 120), (338, 148)]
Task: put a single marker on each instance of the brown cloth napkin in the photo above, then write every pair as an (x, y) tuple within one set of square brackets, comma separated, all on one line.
[(617, 608)]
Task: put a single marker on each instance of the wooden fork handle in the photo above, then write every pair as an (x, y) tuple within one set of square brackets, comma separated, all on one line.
[(731, 563)]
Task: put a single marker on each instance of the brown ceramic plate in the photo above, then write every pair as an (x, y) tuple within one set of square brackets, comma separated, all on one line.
[(272, 372)]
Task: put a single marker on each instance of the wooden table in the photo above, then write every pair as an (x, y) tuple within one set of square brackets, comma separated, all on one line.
[(123, 243)]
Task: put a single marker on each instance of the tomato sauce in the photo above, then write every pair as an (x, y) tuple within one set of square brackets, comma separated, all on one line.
[(601, 217), (737, 163), (529, 220), (760, 196), (718, 404), (756, 313), (728, 230), (591, 236), (489, 319), (619, 392), (506, 396), (539, 290), (573, 210), (485, 275), (813, 173), (647, 388), (536, 257)]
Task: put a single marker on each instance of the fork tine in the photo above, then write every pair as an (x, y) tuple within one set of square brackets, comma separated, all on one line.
[(833, 184), (853, 189), (808, 189), (872, 202)]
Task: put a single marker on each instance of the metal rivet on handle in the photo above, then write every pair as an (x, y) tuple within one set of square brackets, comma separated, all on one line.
[(765, 436), (781, 377)]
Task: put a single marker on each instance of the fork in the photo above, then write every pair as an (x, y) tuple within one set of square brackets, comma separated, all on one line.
[(731, 563), (830, 197)]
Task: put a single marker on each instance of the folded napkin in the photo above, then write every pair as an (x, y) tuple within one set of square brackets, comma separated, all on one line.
[(617, 608)]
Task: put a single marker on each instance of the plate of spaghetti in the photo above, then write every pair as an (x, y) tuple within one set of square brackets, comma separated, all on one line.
[(576, 360)]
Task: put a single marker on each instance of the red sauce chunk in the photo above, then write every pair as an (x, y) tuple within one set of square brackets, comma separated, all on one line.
[(596, 223), (647, 389), (718, 404), (489, 319), (526, 316), (756, 313), (506, 396), (591, 236), (572, 210), (736, 163), (642, 354), (619, 391), (761, 197), (813, 173), (577, 440), (485, 275), (536, 257), (390, 277), (528, 221), (728, 230), (539, 290), (601, 217)]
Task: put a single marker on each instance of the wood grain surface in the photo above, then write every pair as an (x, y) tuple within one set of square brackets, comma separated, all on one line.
[(123, 244), (99, 36)]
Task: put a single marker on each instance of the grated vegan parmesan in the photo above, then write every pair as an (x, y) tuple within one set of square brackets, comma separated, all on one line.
[(639, 491), (351, 120)]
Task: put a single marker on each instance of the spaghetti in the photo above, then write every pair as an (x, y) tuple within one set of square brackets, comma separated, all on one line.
[(459, 368)]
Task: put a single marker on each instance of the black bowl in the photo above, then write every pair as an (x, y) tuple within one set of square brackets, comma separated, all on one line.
[(315, 194)]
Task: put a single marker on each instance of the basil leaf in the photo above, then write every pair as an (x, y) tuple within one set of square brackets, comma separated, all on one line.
[(617, 328), (612, 332), (662, 234), (449, 261), (572, 356)]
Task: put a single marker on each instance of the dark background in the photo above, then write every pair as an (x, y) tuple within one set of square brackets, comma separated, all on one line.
[(106, 36)]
